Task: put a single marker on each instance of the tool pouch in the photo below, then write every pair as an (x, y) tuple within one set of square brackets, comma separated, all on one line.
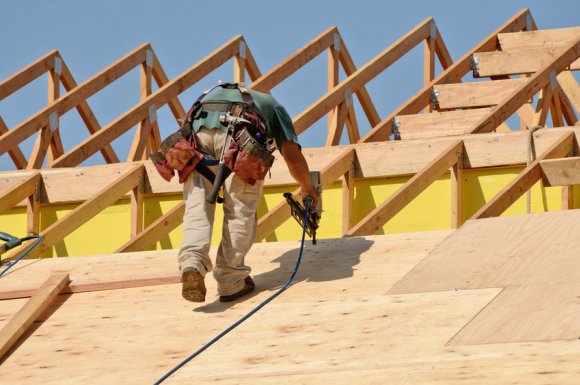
[(178, 152), (180, 149), (161, 165), (248, 158)]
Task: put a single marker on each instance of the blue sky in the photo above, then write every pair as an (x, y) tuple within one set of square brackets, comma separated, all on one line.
[(90, 35)]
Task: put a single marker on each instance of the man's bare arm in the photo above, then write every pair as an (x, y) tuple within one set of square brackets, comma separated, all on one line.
[(299, 170)]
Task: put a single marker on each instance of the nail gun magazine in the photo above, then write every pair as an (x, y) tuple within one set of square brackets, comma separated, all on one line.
[(298, 211)]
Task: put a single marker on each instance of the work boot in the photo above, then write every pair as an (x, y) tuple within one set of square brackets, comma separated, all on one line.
[(248, 288), (193, 288)]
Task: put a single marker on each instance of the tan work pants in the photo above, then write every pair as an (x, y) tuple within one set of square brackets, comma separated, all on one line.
[(239, 227)]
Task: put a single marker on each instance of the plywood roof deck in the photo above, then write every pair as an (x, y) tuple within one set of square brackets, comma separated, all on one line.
[(155, 313), (495, 301), (363, 310)]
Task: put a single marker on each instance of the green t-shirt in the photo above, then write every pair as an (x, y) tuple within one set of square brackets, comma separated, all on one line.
[(276, 118)]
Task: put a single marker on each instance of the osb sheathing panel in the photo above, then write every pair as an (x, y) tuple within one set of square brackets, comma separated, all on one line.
[(533, 258), (520, 250), (28, 275), (336, 309), (527, 313), (339, 323), (86, 336)]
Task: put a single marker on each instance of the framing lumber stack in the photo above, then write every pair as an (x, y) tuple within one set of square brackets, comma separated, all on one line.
[(478, 299)]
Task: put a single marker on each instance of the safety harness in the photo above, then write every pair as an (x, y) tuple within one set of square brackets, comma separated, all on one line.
[(247, 152)]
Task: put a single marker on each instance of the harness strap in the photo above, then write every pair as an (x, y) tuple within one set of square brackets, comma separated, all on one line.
[(221, 105), (247, 97), (217, 106)]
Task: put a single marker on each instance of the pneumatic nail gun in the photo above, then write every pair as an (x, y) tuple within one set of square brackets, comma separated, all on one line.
[(298, 210)]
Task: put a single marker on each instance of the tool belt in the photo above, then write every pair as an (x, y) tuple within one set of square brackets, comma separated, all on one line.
[(178, 153), (248, 156)]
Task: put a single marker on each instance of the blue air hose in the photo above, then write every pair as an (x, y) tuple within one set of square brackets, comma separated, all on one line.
[(307, 203), (38, 240)]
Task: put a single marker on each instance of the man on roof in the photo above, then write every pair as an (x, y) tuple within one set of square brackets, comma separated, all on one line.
[(261, 122)]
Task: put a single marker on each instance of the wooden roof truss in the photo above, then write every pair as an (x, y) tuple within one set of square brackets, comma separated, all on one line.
[(514, 57)]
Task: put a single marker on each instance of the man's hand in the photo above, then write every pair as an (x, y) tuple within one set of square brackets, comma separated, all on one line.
[(310, 191)]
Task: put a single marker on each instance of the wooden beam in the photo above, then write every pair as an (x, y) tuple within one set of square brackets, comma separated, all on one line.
[(155, 231), (86, 114), (48, 141), (429, 63), (55, 149), (542, 107), (475, 94), (362, 93), (525, 180), (362, 76), (556, 109), (348, 199), (374, 160), (503, 127), (457, 192), (277, 215), (15, 153), (439, 123), (570, 87), (88, 287), (295, 61), (159, 98), (40, 148), (516, 99), (280, 213), (75, 185), (332, 81), (81, 214), (526, 114), (137, 207), (161, 79), (33, 210), (147, 127), (452, 74), (567, 197), (442, 52), (546, 38), (72, 99), (240, 66), (568, 112), (174, 105), (336, 125), (32, 309), (409, 191), (154, 138), (561, 172), (352, 125), (506, 197), (121, 284), (138, 150), (335, 169), (518, 62), (19, 192), (251, 66), (32, 71)]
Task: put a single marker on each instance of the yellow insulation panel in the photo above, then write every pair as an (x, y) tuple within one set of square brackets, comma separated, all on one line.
[(103, 233), (106, 232)]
